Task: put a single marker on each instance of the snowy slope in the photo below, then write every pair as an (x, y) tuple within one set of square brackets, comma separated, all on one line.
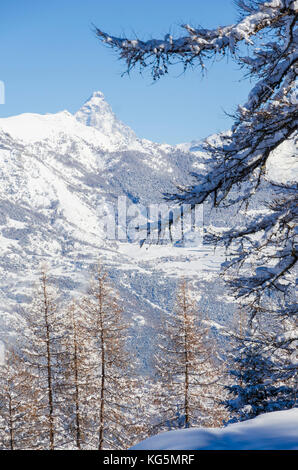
[(30, 128), (271, 431)]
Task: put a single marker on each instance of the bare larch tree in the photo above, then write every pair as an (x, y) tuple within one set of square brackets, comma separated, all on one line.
[(187, 377), (108, 332)]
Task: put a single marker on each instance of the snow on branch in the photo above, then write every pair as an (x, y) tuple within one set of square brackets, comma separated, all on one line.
[(262, 124), (199, 43)]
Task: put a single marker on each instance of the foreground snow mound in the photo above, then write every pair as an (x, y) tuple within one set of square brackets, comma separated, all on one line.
[(271, 431)]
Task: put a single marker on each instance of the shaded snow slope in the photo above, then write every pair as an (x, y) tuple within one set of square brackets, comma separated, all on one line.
[(271, 431)]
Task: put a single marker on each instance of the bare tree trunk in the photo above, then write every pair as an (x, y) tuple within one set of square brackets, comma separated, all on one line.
[(109, 366), (11, 429), (77, 392), (185, 367), (102, 381), (102, 397), (186, 372), (49, 366)]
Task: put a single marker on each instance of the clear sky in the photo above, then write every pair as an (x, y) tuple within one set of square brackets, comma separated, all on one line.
[(51, 60)]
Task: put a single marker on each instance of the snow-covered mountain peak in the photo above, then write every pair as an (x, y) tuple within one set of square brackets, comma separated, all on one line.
[(95, 123), (96, 112)]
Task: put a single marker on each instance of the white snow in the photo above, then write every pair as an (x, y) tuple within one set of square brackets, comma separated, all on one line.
[(30, 128), (282, 165), (271, 431), (59, 173)]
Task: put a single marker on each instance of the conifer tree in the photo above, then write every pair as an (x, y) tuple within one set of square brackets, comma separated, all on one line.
[(76, 383), (187, 376), (111, 402), (81, 377), (18, 404), (45, 357)]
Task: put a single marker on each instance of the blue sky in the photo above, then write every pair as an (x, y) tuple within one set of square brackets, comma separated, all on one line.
[(51, 60)]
